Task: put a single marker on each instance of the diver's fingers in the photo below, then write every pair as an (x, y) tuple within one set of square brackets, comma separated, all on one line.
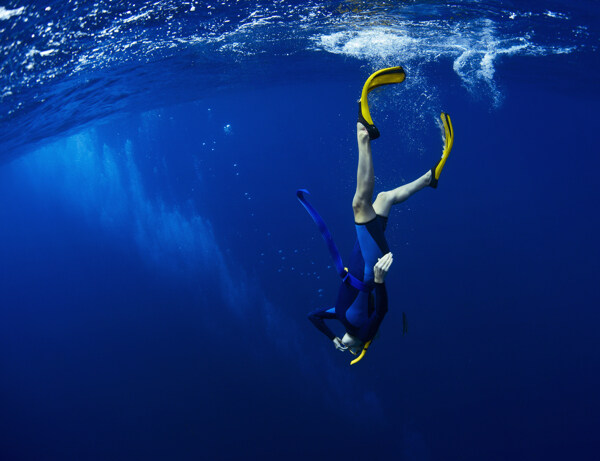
[(389, 259), (385, 262), (339, 345), (382, 261)]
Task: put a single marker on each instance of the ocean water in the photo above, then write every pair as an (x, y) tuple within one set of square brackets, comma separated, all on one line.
[(156, 268)]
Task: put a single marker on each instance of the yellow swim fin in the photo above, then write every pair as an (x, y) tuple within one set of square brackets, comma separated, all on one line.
[(381, 77), (436, 171), (362, 354)]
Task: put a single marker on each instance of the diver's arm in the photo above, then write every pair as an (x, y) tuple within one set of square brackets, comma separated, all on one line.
[(381, 308), (317, 317), (381, 300)]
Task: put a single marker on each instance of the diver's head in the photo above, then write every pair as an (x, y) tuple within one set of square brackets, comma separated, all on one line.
[(354, 344)]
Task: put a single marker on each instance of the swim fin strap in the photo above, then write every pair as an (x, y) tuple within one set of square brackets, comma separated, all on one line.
[(362, 354), (436, 171), (381, 77)]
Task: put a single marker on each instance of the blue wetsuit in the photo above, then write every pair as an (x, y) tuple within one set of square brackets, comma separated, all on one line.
[(360, 312)]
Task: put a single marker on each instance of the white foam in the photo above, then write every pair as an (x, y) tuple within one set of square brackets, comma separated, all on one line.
[(7, 14), (473, 48), (553, 14), (47, 52), (136, 17)]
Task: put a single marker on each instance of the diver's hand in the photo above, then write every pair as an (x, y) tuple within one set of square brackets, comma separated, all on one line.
[(339, 345), (382, 267)]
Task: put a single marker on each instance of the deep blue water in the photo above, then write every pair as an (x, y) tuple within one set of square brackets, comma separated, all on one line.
[(156, 268)]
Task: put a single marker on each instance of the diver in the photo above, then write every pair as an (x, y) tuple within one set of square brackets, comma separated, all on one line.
[(362, 302)]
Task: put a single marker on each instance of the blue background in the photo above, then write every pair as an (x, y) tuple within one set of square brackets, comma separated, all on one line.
[(156, 268)]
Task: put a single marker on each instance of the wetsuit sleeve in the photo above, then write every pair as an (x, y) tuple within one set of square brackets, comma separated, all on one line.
[(381, 308), (317, 317)]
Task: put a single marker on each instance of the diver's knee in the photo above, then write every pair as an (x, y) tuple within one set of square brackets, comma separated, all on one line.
[(383, 197), (384, 201), (358, 204)]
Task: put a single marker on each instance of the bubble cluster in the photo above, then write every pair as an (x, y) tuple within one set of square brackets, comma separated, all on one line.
[(472, 45)]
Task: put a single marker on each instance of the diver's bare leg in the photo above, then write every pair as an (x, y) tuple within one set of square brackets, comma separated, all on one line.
[(385, 200), (365, 178)]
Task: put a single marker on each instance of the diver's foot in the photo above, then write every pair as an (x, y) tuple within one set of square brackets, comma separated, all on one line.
[(361, 119), (427, 178), (432, 181), (371, 129)]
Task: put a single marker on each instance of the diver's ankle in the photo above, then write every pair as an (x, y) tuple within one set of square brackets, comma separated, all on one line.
[(362, 134), (427, 178)]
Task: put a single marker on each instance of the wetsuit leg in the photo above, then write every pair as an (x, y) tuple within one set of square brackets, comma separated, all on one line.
[(357, 314), (373, 244), (352, 306)]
